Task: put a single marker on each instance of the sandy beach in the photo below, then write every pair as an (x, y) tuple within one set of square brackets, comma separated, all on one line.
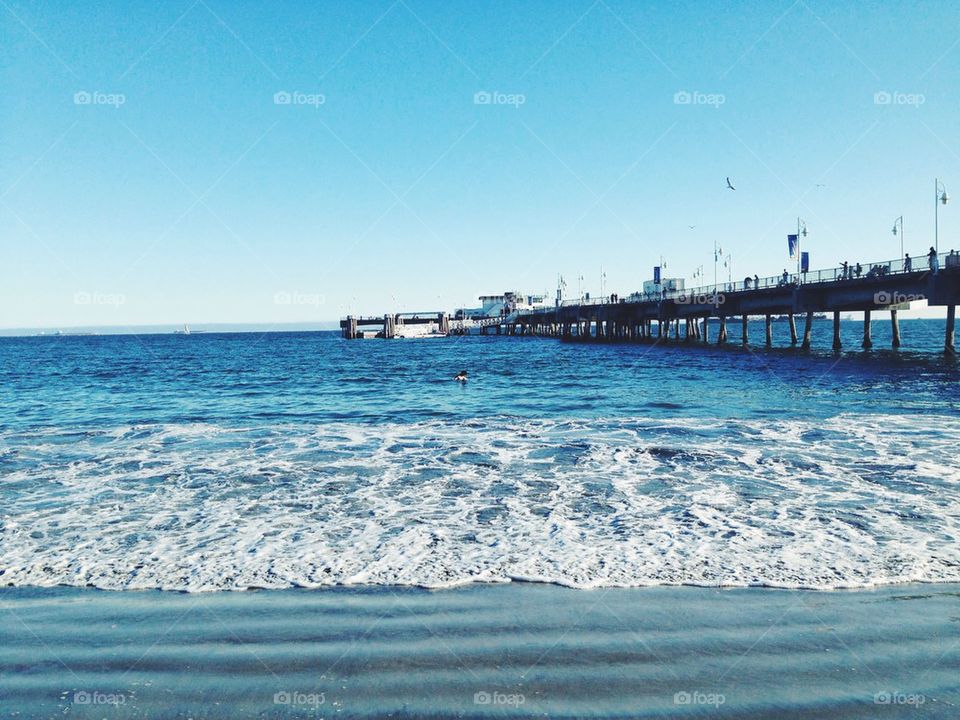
[(482, 651)]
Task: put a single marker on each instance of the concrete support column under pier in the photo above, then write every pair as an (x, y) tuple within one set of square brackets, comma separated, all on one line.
[(722, 332), (744, 340), (793, 330), (948, 336), (836, 330), (894, 328), (807, 330), (769, 330), (867, 339), (706, 329)]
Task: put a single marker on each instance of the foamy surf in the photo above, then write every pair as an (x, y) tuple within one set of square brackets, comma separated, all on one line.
[(850, 501)]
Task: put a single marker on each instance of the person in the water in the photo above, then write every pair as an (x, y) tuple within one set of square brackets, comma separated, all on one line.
[(461, 376)]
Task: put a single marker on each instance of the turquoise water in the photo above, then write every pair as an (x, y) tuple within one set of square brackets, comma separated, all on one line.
[(231, 461)]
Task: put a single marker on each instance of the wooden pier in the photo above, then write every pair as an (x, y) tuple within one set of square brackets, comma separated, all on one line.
[(389, 326), (685, 315)]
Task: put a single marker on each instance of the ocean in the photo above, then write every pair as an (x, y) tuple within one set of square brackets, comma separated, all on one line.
[(218, 461)]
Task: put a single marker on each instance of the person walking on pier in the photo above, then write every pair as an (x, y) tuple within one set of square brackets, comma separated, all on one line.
[(934, 260), (907, 263), (756, 282), (846, 270), (858, 270)]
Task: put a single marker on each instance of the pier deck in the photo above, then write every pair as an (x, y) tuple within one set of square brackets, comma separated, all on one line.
[(885, 286)]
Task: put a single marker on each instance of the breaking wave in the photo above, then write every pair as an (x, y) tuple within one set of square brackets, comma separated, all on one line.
[(848, 501)]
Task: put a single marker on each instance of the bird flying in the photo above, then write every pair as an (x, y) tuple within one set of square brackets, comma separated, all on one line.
[(730, 185)]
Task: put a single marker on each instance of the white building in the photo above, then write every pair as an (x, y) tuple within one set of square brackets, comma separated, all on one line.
[(502, 305)]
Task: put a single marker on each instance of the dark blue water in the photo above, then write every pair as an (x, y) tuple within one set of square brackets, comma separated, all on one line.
[(244, 460)]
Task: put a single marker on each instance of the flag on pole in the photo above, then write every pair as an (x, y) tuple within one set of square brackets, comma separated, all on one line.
[(793, 243), (804, 262), (656, 274)]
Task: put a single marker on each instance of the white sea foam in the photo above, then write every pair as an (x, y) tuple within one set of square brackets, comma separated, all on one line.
[(845, 502)]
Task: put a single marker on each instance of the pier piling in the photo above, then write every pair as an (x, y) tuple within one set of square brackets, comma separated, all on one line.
[(769, 330), (744, 340), (894, 328), (837, 345), (948, 337), (793, 329), (807, 330), (867, 340)]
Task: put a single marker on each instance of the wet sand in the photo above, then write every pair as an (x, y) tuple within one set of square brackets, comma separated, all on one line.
[(482, 651)]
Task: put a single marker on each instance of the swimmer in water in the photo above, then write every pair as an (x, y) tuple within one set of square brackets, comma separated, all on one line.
[(461, 376)]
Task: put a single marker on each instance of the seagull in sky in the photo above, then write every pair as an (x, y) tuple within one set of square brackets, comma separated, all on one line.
[(691, 226), (730, 185)]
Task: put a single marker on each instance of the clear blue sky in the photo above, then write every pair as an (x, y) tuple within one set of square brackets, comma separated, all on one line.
[(201, 199)]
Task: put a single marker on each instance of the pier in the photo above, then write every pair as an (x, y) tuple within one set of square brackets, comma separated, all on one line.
[(684, 315), (392, 325)]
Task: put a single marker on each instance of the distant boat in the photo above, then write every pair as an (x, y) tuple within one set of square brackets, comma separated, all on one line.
[(187, 331)]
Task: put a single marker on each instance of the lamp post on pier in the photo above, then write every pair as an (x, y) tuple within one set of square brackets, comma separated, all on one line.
[(717, 254), (898, 230), (941, 198), (801, 233)]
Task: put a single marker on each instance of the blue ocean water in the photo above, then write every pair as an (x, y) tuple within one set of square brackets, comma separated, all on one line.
[(230, 461)]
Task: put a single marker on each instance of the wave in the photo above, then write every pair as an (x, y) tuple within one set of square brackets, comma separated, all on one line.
[(850, 501)]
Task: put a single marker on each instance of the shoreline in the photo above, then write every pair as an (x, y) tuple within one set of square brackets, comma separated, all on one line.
[(480, 583), (482, 650)]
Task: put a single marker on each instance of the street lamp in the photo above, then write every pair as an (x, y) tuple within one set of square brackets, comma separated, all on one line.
[(898, 230), (941, 198), (801, 232), (717, 254)]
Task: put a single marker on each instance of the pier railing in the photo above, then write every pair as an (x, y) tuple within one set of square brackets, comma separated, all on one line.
[(852, 271)]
